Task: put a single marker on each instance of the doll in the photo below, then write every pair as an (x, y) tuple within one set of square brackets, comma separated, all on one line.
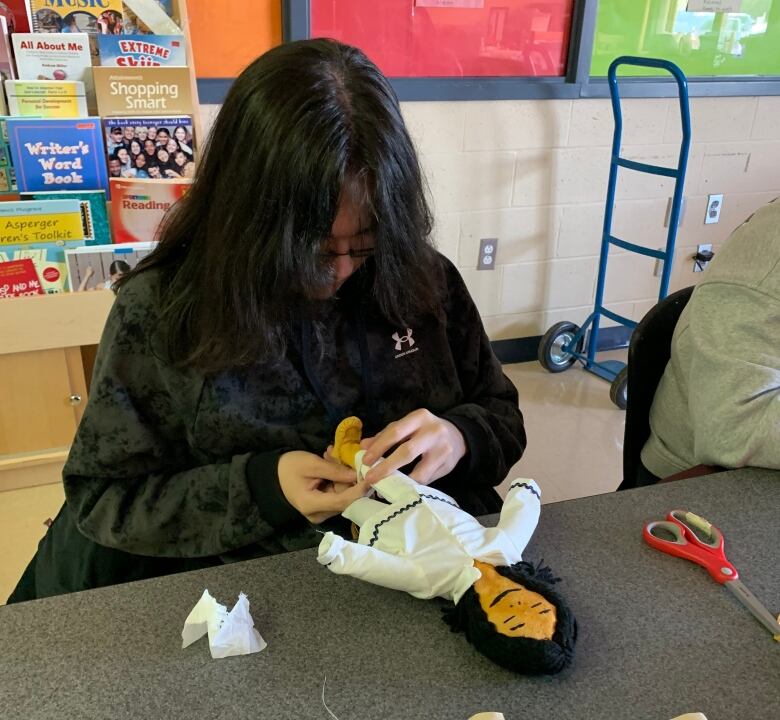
[(420, 541)]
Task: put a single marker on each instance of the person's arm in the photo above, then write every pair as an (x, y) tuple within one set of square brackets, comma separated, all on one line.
[(489, 418), (475, 442), (88, 273), (734, 381), (132, 479)]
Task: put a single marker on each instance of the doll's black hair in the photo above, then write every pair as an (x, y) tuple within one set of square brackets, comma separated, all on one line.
[(519, 654)]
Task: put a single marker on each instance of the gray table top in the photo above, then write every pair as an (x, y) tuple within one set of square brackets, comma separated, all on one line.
[(657, 636)]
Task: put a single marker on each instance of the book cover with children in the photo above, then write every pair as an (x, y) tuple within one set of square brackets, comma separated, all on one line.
[(75, 16), (159, 148), (138, 206), (98, 267), (41, 231), (131, 51), (94, 213), (143, 91), (46, 98), (57, 154)]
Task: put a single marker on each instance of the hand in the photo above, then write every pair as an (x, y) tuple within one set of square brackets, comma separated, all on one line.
[(420, 434), (89, 272), (333, 487), (305, 479)]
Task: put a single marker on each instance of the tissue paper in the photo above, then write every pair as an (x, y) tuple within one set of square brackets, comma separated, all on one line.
[(230, 633)]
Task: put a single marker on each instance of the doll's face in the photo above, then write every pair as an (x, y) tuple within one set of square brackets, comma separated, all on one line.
[(513, 610)]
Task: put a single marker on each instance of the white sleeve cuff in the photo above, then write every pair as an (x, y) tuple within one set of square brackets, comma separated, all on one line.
[(330, 548)]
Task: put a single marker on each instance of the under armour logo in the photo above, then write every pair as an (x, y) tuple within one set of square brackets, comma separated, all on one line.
[(401, 339)]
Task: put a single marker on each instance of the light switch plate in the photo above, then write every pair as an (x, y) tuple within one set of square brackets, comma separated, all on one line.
[(488, 250)]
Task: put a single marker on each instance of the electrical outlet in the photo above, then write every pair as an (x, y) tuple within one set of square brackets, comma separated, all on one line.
[(488, 249), (702, 257), (714, 206), (683, 205)]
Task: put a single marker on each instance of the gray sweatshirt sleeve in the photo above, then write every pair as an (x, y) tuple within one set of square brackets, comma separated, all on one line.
[(734, 390), (132, 479)]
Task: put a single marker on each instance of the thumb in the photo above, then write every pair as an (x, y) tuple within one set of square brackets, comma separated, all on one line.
[(343, 500), (329, 470)]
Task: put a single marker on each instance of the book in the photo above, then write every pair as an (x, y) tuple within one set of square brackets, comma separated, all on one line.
[(94, 213), (57, 154), (160, 148), (143, 91), (7, 173), (132, 51), (15, 14), (7, 68), (46, 57), (41, 231), (150, 17), (138, 206), (75, 16), (98, 267), (46, 98), (19, 278)]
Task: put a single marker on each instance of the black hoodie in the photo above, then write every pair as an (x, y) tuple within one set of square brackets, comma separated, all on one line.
[(171, 469)]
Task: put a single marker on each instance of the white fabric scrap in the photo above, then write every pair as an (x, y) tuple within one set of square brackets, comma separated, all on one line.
[(230, 633)]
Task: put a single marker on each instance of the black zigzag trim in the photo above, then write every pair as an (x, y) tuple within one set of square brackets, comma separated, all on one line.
[(527, 487), (375, 534), (433, 497)]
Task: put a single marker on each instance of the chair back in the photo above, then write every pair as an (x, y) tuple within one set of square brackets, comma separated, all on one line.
[(648, 354)]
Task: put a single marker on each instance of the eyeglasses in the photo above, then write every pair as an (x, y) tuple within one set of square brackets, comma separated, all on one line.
[(356, 254)]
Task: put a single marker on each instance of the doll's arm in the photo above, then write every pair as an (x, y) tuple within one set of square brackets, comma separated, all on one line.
[(373, 565), (520, 513)]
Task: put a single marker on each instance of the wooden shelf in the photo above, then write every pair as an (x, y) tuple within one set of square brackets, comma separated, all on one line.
[(42, 322)]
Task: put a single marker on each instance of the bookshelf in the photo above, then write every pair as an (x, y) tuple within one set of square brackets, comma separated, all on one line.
[(47, 349)]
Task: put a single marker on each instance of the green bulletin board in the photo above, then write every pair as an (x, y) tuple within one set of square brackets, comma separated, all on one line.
[(725, 44)]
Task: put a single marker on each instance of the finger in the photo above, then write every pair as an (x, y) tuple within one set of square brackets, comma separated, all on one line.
[(402, 456), (341, 501), (323, 469), (426, 470), (393, 434)]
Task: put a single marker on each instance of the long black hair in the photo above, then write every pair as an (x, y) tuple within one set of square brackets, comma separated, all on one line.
[(519, 654), (241, 253)]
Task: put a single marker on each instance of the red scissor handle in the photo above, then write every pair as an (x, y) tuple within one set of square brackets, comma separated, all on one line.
[(691, 537)]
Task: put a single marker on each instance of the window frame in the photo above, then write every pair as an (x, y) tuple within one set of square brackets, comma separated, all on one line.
[(576, 83)]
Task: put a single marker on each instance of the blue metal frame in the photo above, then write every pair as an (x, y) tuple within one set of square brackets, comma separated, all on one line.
[(610, 368)]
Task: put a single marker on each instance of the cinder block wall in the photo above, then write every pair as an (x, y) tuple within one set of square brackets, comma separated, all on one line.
[(533, 173)]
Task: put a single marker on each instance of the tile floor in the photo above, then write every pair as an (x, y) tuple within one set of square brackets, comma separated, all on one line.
[(575, 445)]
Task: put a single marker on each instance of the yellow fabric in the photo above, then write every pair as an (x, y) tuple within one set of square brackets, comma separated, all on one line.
[(518, 613), (347, 442)]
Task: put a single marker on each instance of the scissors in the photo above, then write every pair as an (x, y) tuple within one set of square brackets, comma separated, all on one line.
[(686, 535)]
